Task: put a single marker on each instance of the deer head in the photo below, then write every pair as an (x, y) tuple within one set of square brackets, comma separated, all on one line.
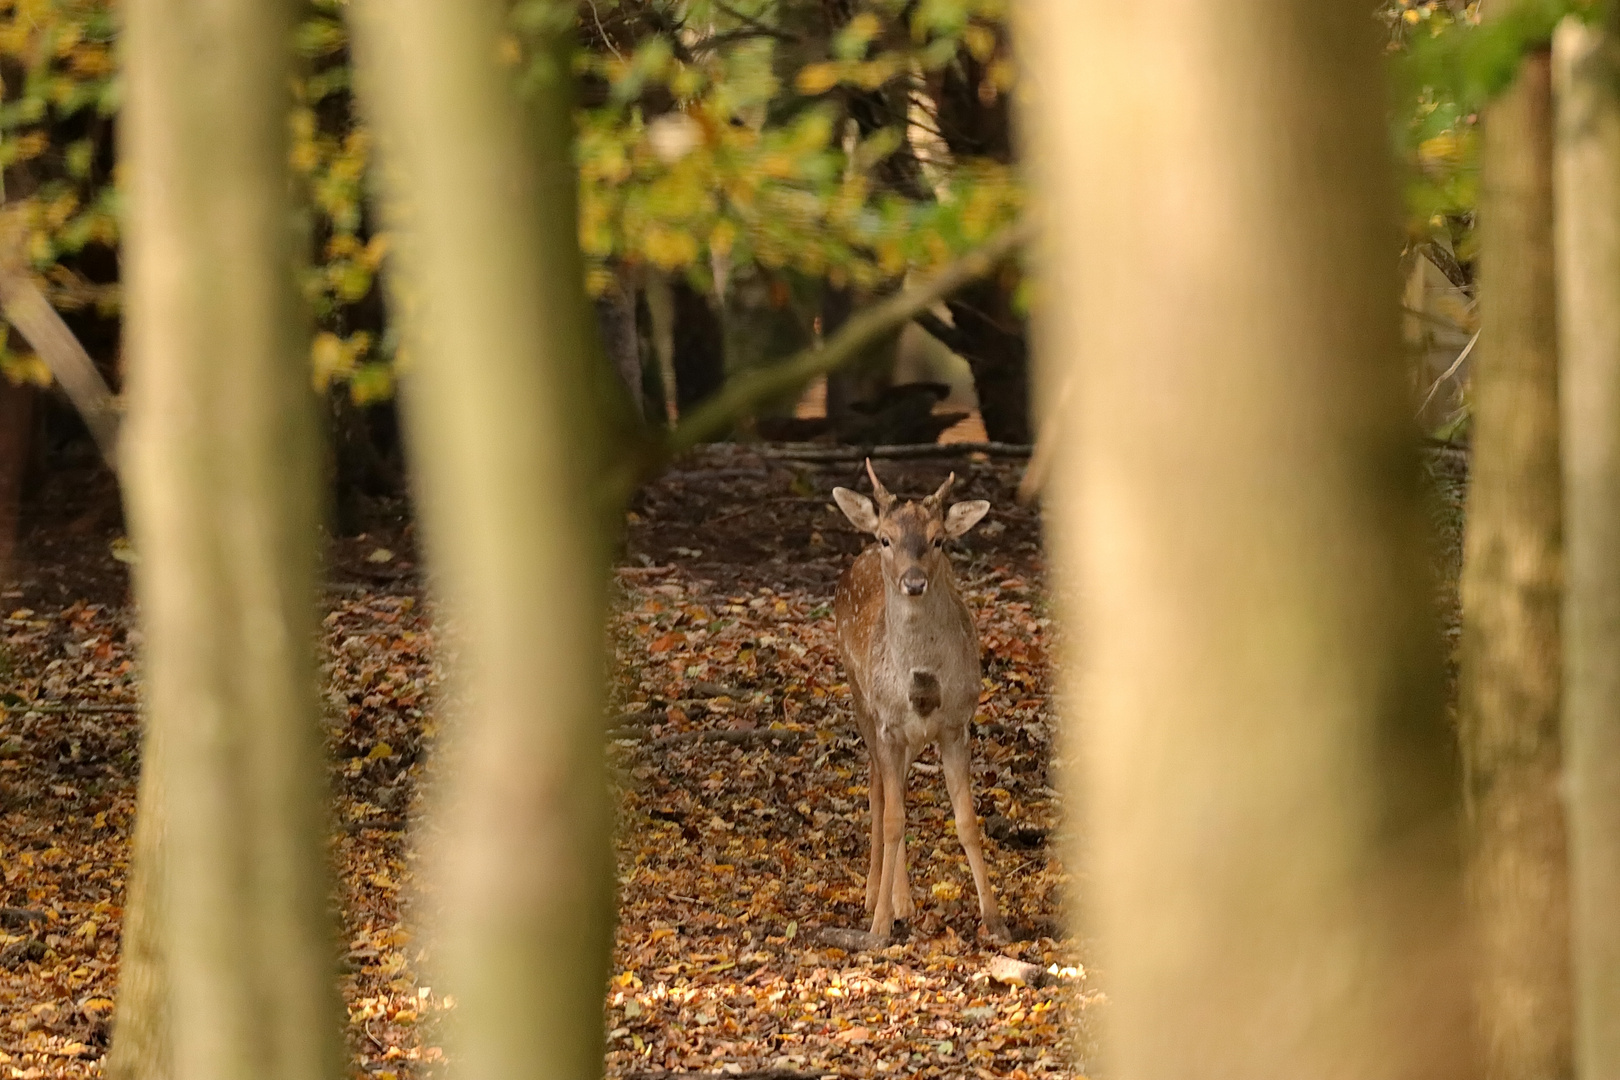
[(911, 535)]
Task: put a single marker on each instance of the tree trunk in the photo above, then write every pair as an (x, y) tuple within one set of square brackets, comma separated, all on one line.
[(16, 440), (700, 346), (990, 335), (616, 323), (220, 459), (1508, 696), (505, 436), (993, 341), (1274, 873), (1588, 209)]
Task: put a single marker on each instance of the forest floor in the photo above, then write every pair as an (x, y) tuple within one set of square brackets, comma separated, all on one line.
[(738, 850)]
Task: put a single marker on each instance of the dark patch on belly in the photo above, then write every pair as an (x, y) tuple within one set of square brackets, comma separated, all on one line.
[(925, 694)]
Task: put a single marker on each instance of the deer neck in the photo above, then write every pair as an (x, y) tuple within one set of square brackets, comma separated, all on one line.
[(915, 626)]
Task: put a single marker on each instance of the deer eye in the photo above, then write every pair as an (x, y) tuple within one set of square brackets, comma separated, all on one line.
[(884, 540), (939, 541)]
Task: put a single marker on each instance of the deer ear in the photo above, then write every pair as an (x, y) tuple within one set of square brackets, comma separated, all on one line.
[(964, 515), (858, 508)]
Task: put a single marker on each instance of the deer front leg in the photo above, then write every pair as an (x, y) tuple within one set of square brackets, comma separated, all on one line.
[(903, 907), (892, 765), (954, 757), (874, 795)]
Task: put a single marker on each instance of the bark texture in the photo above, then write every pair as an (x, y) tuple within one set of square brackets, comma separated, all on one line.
[(142, 1048), (1512, 580), (1588, 208), (1269, 788), (222, 480), (504, 434)]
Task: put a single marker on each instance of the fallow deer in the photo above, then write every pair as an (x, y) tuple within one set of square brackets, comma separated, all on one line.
[(911, 654)]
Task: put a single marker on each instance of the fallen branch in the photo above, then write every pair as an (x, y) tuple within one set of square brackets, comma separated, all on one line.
[(68, 708), (906, 450), (20, 916)]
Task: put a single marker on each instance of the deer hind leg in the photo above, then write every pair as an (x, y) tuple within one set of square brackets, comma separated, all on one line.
[(953, 756), (874, 793), (893, 767)]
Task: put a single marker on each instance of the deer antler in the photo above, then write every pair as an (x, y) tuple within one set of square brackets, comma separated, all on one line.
[(879, 492), (938, 497)]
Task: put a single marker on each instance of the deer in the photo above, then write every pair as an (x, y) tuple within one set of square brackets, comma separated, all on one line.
[(911, 654)]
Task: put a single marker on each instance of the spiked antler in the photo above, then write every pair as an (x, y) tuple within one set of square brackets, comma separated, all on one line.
[(879, 492), (938, 497)]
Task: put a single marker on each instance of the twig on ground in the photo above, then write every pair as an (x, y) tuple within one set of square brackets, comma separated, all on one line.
[(391, 824), (736, 738)]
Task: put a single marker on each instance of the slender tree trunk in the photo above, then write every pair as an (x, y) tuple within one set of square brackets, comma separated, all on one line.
[(1268, 782), (504, 434), (616, 323), (1588, 207), (1508, 697), (223, 487)]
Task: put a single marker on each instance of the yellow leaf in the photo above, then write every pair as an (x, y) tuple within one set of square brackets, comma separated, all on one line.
[(980, 41), (721, 239), (381, 750), (22, 369), (376, 249), (817, 78), (330, 359)]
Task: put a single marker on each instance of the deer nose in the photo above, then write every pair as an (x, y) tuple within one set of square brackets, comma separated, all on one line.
[(914, 582)]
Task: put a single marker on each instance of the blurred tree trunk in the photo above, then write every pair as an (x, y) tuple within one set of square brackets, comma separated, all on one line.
[(221, 468), (504, 430), (1508, 696), (1588, 208), (699, 345), (1269, 784), (16, 440)]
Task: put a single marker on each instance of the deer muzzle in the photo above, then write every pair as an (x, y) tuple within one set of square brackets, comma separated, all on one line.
[(914, 582)]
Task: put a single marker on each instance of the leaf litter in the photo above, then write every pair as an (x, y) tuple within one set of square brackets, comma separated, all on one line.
[(740, 784)]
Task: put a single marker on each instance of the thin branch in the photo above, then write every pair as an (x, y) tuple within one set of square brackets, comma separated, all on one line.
[(743, 395), (1449, 372), (942, 332), (1434, 320), (31, 313), (758, 27)]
